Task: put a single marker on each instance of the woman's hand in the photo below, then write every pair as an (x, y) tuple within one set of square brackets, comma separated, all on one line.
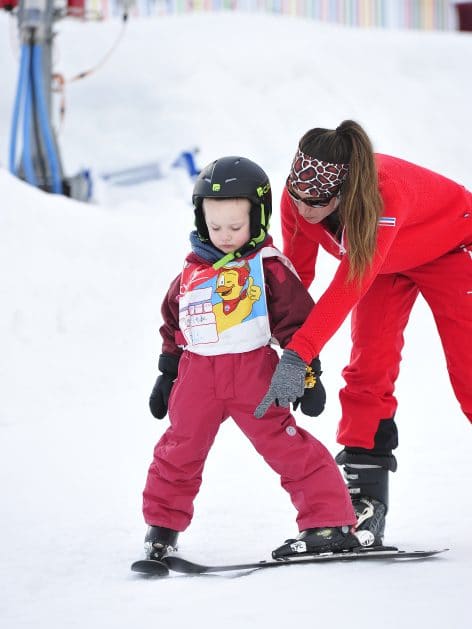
[(288, 383)]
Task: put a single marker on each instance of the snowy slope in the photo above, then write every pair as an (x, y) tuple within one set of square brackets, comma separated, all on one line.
[(81, 287)]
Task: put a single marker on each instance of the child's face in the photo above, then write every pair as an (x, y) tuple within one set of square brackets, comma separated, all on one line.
[(228, 222)]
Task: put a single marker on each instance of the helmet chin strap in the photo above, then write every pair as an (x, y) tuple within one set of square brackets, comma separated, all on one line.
[(239, 253)]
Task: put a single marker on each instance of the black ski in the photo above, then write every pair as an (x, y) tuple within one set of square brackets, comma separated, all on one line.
[(150, 567), (385, 553)]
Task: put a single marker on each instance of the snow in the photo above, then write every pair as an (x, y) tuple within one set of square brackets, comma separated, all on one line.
[(81, 287)]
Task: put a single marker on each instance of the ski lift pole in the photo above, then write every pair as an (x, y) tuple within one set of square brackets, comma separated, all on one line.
[(40, 162)]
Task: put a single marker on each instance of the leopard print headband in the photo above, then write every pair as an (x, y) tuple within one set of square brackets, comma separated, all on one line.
[(320, 179)]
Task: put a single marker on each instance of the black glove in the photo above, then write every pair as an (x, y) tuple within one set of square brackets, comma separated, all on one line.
[(159, 399), (313, 401)]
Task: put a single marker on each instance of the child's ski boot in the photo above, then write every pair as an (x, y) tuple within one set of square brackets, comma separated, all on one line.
[(318, 540), (159, 542)]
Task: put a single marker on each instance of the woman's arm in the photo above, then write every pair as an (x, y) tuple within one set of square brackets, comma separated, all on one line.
[(296, 246), (338, 300)]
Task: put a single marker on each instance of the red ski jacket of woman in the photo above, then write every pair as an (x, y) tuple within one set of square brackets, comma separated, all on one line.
[(425, 215)]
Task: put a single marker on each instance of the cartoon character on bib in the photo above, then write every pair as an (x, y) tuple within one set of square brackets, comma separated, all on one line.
[(223, 310)]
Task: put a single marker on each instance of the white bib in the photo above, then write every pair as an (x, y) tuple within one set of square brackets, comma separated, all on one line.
[(224, 311)]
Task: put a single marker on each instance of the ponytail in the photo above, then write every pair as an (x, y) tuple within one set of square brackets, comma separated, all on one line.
[(361, 204)]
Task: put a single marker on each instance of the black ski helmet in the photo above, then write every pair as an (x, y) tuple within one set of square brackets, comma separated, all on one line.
[(235, 177)]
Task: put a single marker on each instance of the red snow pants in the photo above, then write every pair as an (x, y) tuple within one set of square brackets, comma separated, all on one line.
[(207, 391), (378, 322)]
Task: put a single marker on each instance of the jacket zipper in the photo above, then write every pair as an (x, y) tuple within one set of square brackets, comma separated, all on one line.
[(340, 245)]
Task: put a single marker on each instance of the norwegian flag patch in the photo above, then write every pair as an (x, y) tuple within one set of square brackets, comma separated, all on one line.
[(388, 221)]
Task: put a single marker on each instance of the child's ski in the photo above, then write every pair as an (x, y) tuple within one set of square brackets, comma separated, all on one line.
[(151, 567), (178, 564)]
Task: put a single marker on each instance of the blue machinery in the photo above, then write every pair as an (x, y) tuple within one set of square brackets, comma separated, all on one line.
[(34, 154)]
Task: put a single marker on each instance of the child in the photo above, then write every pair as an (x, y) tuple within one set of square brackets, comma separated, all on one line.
[(235, 292)]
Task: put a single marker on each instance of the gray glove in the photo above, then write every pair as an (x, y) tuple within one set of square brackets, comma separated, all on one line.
[(288, 383)]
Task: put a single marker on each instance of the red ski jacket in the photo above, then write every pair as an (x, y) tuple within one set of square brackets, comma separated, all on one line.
[(288, 304), (425, 215)]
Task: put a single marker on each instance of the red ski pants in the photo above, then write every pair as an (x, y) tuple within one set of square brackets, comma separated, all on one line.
[(207, 391), (378, 322)]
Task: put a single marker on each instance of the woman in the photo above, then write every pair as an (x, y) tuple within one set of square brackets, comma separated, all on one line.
[(398, 230)]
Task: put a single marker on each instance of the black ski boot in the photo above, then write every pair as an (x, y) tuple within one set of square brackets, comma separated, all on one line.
[(366, 473), (159, 542), (319, 540)]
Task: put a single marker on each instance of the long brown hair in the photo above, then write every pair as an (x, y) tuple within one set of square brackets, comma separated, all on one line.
[(361, 204)]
